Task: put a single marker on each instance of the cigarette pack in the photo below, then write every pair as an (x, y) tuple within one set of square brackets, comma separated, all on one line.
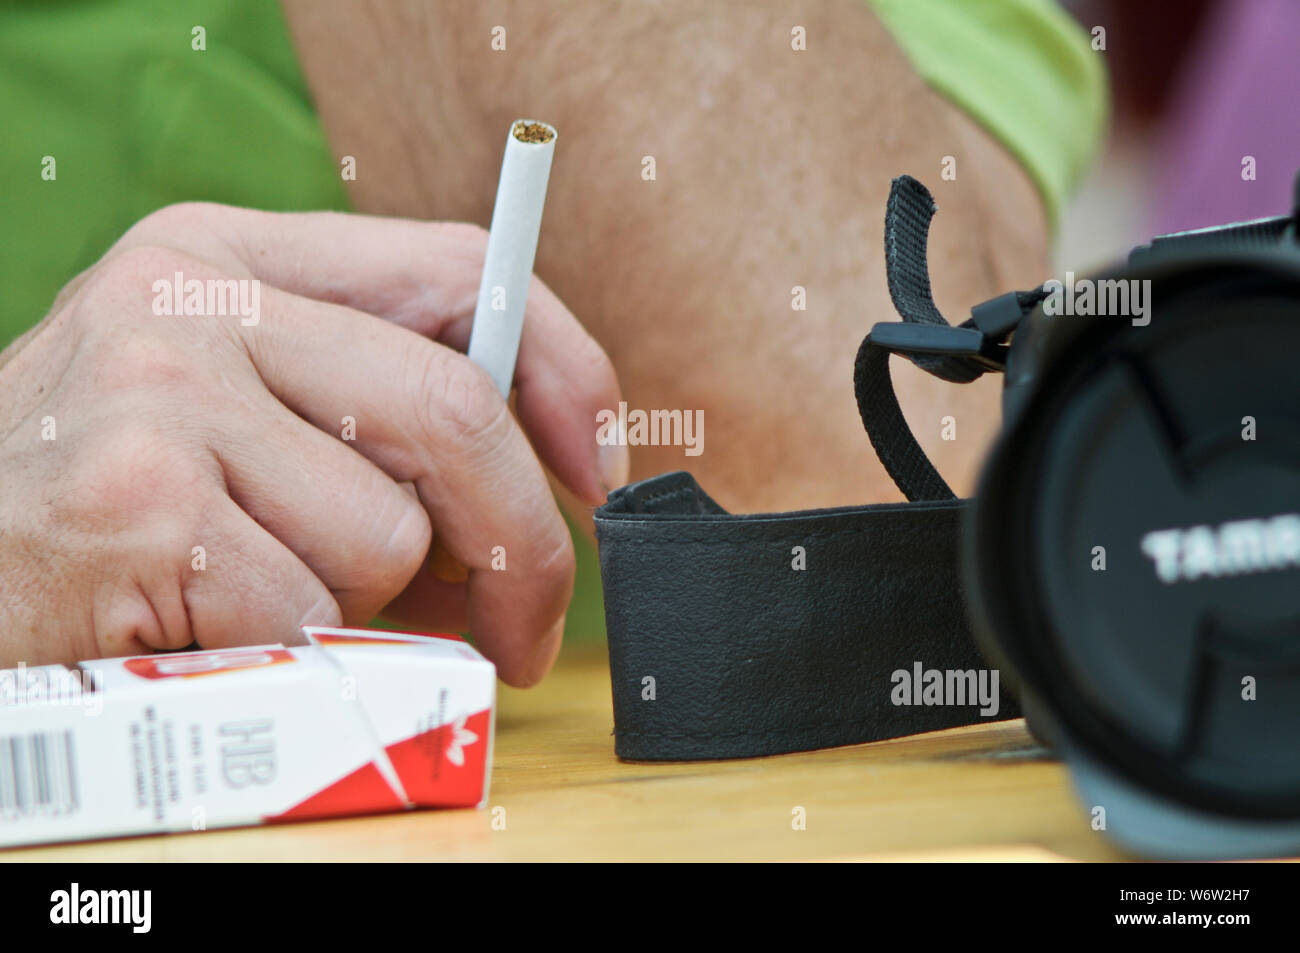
[(357, 721)]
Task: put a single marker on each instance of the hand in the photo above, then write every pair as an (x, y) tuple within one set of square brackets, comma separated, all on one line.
[(226, 478)]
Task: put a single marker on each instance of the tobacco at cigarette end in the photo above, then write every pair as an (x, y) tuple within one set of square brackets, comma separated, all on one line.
[(532, 132)]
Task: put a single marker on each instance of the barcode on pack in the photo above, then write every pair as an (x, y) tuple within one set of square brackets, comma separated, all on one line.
[(38, 775)]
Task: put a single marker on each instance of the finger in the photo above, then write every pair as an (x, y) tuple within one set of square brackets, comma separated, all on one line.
[(424, 276), (427, 415), (433, 599), (355, 528), (429, 597), (565, 382), (437, 596), (251, 589)]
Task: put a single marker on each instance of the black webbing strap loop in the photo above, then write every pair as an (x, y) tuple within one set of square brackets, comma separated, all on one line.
[(895, 445), (907, 227), (907, 231)]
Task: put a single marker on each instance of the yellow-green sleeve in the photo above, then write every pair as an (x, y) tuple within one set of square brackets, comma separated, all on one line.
[(1023, 69)]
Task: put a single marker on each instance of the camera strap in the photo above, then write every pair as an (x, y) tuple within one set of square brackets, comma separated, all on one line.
[(958, 354), (742, 635)]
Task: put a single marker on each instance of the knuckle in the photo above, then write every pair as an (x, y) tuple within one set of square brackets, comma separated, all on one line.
[(409, 543), (125, 283), (142, 361), (555, 564), (464, 234), (458, 407), (178, 217), (143, 264), (399, 557), (136, 471), (124, 619), (327, 614)]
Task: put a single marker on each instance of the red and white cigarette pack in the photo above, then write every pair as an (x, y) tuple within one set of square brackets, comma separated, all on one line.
[(356, 722)]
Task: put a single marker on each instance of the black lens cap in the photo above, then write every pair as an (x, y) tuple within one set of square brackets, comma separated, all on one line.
[(1149, 499)]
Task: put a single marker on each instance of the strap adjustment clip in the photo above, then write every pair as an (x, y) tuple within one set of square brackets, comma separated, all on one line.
[(940, 340)]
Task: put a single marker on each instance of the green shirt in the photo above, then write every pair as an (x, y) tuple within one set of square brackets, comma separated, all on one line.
[(112, 110), (111, 96)]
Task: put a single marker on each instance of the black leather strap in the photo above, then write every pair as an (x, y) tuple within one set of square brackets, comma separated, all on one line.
[(734, 636), (720, 647)]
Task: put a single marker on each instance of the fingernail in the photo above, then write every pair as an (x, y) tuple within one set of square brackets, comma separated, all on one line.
[(545, 653), (444, 566), (614, 464)]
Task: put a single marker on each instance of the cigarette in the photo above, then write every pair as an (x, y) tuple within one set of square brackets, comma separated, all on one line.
[(507, 272), (511, 248)]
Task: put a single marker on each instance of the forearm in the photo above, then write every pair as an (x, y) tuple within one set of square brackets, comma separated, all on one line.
[(771, 171)]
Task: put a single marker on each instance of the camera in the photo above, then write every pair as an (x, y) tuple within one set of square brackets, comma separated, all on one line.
[(1131, 558)]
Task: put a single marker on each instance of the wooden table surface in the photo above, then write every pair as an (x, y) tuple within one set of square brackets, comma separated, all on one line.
[(985, 792)]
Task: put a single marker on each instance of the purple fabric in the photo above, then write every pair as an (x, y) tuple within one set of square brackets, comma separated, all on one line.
[(1239, 95)]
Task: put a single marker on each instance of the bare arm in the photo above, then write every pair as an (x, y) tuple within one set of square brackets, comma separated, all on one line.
[(772, 167)]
